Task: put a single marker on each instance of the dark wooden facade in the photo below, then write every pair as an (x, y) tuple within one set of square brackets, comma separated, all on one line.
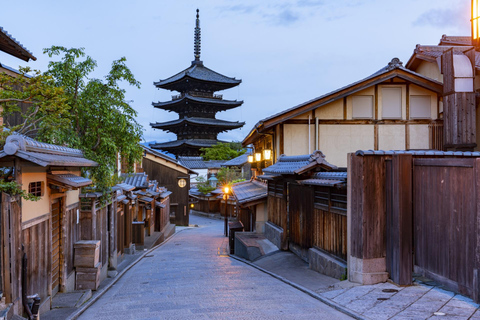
[(418, 212), (277, 208), (169, 177)]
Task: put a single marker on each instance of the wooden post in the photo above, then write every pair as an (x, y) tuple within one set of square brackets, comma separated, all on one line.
[(476, 261), (400, 220)]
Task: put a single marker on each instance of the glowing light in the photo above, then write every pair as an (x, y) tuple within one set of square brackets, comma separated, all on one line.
[(258, 156), (267, 154), (250, 159), (226, 189), (475, 19), (192, 205)]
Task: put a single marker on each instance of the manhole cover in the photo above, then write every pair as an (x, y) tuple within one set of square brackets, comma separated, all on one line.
[(390, 290)]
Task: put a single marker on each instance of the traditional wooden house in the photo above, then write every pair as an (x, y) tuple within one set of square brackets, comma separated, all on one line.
[(196, 106), (47, 228), (197, 165), (307, 211), (240, 164), (251, 202), (394, 108), (175, 177)]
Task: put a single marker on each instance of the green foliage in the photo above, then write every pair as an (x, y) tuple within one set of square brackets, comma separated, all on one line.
[(222, 151), (203, 186), (45, 111), (227, 176), (13, 188), (101, 121)]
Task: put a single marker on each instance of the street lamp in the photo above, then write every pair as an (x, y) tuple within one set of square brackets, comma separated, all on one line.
[(226, 191), (475, 22)]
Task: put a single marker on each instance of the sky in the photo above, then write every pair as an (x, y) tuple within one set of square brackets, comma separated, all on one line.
[(285, 52)]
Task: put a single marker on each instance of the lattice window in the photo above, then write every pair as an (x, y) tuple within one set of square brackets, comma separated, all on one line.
[(35, 188)]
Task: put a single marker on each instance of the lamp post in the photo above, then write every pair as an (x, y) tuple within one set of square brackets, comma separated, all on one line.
[(226, 191)]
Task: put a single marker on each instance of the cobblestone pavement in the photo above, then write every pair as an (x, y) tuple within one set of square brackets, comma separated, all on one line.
[(192, 277)]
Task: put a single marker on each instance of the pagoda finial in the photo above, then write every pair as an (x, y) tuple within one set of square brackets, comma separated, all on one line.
[(197, 38)]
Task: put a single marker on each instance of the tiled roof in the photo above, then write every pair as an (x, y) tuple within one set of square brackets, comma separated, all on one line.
[(238, 161), (298, 164), (187, 98), (165, 157), (201, 143), (327, 179), (455, 40), (125, 186), (249, 191), (193, 162), (70, 180), (198, 121), (214, 164), (198, 71), (11, 46), (138, 180), (419, 153)]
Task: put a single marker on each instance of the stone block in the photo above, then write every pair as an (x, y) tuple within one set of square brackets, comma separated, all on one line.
[(326, 264), (274, 233)]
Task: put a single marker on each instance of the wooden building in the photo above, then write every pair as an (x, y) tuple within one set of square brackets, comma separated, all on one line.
[(241, 165), (172, 175), (196, 105), (394, 108), (251, 202), (47, 228)]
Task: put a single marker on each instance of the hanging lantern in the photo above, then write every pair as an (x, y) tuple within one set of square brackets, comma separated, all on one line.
[(250, 159), (475, 22), (267, 154), (258, 156)]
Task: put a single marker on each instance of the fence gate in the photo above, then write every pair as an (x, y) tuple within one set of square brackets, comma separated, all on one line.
[(445, 221), (300, 207)]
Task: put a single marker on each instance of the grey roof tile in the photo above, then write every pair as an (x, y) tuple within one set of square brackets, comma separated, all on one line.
[(249, 191), (238, 161), (193, 162), (202, 143), (198, 121), (296, 164), (138, 180), (191, 98), (70, 180), (12, 46), (419, 153)]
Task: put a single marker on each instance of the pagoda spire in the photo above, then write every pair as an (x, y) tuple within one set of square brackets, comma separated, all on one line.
[(197, 41)]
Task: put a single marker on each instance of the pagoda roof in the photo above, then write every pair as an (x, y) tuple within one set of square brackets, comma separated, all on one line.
[(196, 143), (202, 77), (220, 124), (187, 98)]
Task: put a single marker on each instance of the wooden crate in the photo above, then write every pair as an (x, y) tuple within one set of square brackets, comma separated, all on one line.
[(87, 253), (88, 278)]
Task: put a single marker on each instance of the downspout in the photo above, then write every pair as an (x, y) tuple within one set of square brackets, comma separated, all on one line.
[(309, 139), (317, 142)]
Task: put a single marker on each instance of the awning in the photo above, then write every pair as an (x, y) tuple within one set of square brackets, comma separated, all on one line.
[(68, 180), (125, 187)]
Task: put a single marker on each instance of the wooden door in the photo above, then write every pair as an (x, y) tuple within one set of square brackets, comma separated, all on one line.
[(300, 216), (55, 251)]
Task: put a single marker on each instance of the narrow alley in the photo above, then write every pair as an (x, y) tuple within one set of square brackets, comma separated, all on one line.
[(191, 277)]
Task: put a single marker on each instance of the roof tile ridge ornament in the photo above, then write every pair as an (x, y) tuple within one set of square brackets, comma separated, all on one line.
[(394, 64), (316, 156), (197, 41)]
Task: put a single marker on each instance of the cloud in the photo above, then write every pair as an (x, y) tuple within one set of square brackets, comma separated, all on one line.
[(240, 8), (285, 17), (440, 18), (310, 3)]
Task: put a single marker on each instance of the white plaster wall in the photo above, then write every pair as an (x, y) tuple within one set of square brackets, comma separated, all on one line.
[(416, 90), (34, 209), (391, 137), (261, 217), (366, 92), (296, 139), (430, 69), (404, 100), (419, 136), (336, 141), (333, 110)]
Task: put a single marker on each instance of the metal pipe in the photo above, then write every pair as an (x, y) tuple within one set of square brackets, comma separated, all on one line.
[(317, 142)]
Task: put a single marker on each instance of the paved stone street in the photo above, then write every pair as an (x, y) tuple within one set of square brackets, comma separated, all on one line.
[(191, 277)]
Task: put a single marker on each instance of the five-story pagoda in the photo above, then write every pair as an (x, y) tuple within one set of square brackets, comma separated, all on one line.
[(196, 105)]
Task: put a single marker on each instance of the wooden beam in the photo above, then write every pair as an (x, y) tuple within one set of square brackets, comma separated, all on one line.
[(375, 137), (376, 102), (345, 108), (362, 121), (282, 137), (407, 102)]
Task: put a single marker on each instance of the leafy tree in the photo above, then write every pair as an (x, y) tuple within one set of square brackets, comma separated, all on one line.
[(227, 176), (203, 185), (101, 122), (40, 106), (222, 151)]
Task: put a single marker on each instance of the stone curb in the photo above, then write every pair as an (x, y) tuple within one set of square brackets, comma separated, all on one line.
[(94, 299), (303, 289)]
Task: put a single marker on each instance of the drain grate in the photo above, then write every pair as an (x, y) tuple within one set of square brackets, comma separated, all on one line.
[(390, 290)]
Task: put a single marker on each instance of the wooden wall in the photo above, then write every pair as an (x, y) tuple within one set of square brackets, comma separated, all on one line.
[(277, 208), (168, 178)]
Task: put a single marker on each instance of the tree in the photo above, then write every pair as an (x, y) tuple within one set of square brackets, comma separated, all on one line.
[(222, 151), (227, 176), (101, 122), (33, 105)]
